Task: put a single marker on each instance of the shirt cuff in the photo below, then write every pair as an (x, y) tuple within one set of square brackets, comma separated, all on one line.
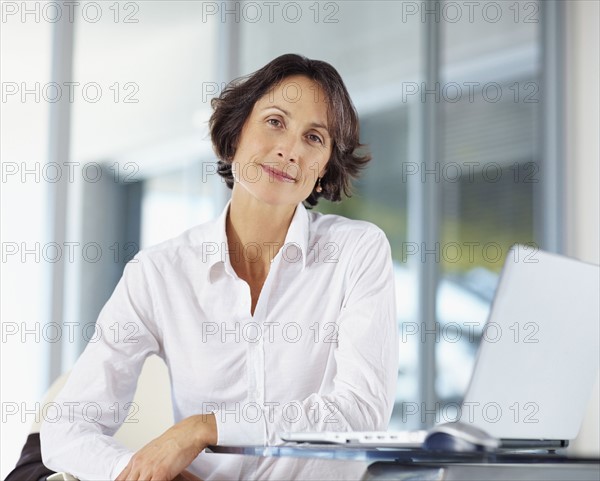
[(120, 464), (234, 429)]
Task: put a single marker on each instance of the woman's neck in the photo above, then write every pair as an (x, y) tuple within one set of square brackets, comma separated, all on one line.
[(255, 232)]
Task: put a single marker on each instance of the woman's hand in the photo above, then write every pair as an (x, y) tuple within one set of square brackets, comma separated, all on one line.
[(165, 457)]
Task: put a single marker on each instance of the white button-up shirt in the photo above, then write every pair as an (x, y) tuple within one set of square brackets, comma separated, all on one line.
[(319, 353)]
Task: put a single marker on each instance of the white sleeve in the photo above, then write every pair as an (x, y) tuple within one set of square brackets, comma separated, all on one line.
[(76, 435), (366, 358)]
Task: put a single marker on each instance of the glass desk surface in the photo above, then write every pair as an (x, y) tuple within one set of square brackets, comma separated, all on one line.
[(420, 464)]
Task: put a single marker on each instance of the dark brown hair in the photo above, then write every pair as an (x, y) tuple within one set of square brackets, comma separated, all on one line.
[(235, 103)]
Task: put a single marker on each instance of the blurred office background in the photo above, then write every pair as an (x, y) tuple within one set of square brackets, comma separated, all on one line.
[(495, 105)]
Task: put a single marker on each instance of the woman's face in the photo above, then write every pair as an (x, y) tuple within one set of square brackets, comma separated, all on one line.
[(284, 145)]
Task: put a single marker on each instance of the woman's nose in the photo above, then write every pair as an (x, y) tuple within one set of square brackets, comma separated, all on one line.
[(289, 149)]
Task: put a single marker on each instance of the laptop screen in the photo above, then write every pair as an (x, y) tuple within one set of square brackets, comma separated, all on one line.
[(538, 357)]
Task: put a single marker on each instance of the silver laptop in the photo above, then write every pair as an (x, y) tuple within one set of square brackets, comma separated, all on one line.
[(537, 362)]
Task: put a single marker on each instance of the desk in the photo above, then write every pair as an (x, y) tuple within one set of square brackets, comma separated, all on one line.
[(418, 464)]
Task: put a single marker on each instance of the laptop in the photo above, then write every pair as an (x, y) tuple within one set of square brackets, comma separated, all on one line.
[(536, 364)]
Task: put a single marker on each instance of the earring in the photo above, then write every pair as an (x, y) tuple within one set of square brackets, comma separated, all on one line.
[(319, 189)]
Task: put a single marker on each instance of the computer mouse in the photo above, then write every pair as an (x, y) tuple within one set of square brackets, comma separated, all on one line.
[(459, 437)]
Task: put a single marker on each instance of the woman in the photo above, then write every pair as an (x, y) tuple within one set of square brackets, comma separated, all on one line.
[(272, 318)]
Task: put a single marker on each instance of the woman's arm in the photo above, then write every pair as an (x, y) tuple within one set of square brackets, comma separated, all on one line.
[(76, 435), (168, 455)]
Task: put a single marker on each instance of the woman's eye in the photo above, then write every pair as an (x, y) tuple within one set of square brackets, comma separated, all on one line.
[(274, 122), (315, 138)]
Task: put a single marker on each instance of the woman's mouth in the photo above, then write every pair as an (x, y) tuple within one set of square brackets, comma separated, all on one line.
[(277, 174)]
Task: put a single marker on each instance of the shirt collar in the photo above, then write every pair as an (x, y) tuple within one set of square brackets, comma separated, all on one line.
[(297, 237)]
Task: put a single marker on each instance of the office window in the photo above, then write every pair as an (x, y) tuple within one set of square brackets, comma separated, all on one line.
[(175, 201), (153, 68), (144, 69), (489, 167)]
